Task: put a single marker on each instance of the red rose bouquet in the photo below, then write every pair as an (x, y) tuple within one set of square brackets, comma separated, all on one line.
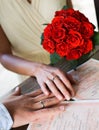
[(70, 34)]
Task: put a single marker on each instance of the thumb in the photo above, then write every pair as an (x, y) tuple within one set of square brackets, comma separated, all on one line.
[(17, 91)]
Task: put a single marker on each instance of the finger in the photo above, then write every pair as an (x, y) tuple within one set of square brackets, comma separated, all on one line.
[(60, 107), (17, 92), (45, 89), (67, 83), (43, 103), (71, 79), (34, 93), (62, 87), (48, 112), (54, 89), (42, 97), (51, 76), (50, 102)]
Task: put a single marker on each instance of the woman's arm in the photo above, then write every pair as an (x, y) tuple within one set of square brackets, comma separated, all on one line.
[(5, 46), (49, 78), (14, 63)]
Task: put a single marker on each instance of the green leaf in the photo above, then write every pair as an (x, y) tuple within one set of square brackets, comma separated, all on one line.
[(54, 58), (95, 38), (73, 64), (42, 37), (65, 7), (45, 23), (81, 60), (84, 58)]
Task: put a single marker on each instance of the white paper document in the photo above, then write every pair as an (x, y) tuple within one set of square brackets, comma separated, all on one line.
[(83, 113)]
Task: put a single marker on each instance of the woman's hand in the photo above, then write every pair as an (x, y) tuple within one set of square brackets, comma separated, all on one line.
[(52, 79), (28, 108)]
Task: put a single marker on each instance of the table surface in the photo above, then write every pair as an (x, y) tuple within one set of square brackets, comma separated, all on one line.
[(31, 84)]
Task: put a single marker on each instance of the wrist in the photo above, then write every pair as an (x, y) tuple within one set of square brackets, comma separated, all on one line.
[(36, 67)]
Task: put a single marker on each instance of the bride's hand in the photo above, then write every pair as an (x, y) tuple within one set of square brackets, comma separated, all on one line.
[(52, 79)]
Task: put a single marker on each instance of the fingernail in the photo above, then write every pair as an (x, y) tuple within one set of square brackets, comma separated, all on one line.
[(76, 78), (17, 88), (62, 108), (60, 97)]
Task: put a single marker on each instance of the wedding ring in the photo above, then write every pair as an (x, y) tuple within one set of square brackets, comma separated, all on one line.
[(42, 103), (54, 77)]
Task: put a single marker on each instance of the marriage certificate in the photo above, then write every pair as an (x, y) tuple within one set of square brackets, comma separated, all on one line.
[(83, 113)]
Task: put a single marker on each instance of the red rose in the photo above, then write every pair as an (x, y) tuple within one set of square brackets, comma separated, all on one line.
[(88, 46), (58, 34), (48, 31), (72, 23), (79, 16), (64, 13), (74, 54), (74, 39), (49, 45), (61, 49), (58, 21), (87, 30), (69, 34)]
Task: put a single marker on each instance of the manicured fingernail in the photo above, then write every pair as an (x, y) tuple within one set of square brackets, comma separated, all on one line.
[(62, 108), (60, 97), (17, 88)]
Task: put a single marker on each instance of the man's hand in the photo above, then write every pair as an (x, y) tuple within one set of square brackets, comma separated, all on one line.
[(28, 108)]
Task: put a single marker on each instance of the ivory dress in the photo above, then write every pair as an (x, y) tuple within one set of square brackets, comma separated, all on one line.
[(23, 25)]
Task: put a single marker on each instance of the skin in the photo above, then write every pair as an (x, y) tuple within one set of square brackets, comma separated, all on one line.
[(61, 85), (27, 108)]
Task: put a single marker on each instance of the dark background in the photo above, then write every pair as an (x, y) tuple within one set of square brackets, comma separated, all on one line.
[(69, 3), (97, 10)]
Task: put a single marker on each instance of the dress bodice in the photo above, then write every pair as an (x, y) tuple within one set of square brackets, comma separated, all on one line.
[(23, 25)]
